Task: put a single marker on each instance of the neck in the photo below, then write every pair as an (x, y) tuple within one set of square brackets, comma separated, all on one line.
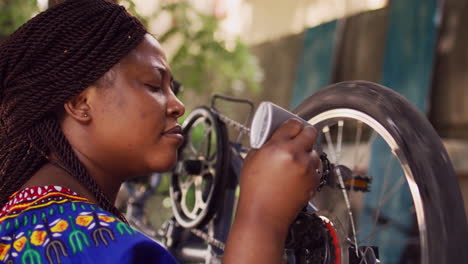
[(51, 174), (107, 178), (54, 174), (108, 182)]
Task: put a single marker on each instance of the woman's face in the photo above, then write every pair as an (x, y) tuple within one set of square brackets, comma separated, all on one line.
[(134, 125)]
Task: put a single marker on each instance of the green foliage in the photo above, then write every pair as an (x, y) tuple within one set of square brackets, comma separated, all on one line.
[(14, 13), (202, 61)]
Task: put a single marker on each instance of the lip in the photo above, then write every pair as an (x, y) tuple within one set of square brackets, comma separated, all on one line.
[(177, 129), (175, 132)]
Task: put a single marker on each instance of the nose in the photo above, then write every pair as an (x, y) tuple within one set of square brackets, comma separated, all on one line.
[(175, 108)]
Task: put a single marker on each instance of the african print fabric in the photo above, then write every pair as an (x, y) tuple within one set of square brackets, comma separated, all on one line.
[(53, 225)]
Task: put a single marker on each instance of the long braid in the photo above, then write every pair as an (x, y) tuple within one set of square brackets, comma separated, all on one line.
[(45, 63), (58, 144)]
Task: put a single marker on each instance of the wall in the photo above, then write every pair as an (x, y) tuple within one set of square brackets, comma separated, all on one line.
[(265, 20), (449, 109)]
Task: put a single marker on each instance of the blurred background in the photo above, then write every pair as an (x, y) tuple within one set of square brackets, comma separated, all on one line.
[(283, 51)]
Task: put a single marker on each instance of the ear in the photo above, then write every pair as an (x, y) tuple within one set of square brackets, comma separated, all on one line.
[(79, 108)]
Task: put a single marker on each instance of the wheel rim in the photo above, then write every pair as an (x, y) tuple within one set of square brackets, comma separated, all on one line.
[(331, 124)]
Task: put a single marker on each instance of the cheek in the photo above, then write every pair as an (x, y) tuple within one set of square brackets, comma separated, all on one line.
[(148, 112), (162, 157), (129, 126), (137, 116), (129, 131)]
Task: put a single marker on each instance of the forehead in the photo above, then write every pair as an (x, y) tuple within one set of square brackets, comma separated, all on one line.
[(148, 55)]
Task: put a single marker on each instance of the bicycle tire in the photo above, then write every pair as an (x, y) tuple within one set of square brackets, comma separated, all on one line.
[(422, 150)]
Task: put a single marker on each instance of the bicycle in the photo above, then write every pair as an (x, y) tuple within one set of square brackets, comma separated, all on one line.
[(356, 217)]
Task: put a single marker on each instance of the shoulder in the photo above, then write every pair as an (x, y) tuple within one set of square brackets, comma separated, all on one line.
[(74, 231)]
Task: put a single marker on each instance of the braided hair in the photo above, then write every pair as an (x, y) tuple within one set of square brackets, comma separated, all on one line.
[(44, 64)]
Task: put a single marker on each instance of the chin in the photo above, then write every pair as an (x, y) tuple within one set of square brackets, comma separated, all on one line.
[(165, 164)]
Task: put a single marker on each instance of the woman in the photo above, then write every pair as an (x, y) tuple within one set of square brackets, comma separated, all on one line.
[(86, 102)]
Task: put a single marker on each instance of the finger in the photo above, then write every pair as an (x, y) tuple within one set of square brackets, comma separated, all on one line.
[(250, 154), (306, 138), (310, 162), (314, 176), (315, 161), (289, 129)]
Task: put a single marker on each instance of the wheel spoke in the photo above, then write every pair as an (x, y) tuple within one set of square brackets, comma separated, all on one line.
[(199, 202), (185, 185), (363, 254), (331, 150), (387, 195), (335, 157), (357, 143), (348, 206), (392, 191), (339, 141), (387, 171), (183, 203), (357, 146), (368, 148), (372, 234), (390, 222)]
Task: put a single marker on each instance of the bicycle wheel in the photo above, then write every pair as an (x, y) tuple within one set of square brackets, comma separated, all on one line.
[(393, 194)]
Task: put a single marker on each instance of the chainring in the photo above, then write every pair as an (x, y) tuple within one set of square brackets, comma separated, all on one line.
[(197, 179)]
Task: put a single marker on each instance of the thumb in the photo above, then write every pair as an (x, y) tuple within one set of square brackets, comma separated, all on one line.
[(288, 130)]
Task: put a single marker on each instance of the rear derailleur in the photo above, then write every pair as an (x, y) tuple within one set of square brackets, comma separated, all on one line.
[(330, 172)]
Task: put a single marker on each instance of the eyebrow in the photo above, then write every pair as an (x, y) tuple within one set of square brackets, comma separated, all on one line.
[(163, 71), (174, 84)]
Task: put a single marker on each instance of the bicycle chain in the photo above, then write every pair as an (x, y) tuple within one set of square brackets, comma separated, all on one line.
[(324, 172), (210, 240), (231, 122)]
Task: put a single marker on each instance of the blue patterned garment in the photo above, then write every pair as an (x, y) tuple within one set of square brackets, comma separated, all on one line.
[(52, 225)]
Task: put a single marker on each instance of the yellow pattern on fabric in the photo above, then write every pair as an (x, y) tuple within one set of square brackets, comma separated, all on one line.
[(4, 248), (24, 205), (38, 237), (60, 226), (20, 243), (39, 206), (84, 220), (106, 218)]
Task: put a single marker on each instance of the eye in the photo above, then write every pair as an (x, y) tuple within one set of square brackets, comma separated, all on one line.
[(154, 88), (176, 86)]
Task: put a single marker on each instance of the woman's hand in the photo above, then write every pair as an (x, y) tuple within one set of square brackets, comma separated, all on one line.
[(276, 182), (279, 178)]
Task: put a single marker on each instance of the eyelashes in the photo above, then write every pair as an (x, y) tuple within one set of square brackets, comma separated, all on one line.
[(154, 88), (175, 86)]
